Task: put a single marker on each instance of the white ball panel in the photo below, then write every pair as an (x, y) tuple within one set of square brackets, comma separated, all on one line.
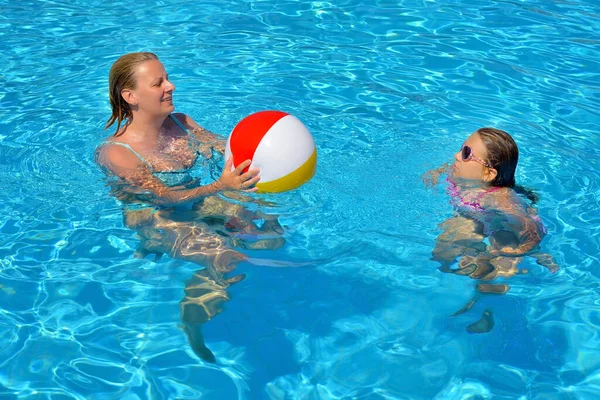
[(284, 148)]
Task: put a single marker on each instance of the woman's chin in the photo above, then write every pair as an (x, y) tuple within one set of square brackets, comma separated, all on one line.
[(168, 106), (167, 109)]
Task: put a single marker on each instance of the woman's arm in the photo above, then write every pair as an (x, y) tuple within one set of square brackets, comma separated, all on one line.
[(124, 164), (203, 135)]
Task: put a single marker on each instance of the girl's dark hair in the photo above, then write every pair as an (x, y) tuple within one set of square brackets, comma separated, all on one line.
[(528, 193), (503, 156)]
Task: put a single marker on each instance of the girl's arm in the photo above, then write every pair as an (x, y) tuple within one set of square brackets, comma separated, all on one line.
[(516, 233), (529, 237), (431, 177), (520, 232)]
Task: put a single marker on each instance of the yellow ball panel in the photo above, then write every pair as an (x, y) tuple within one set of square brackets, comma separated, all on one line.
[(292, 180)]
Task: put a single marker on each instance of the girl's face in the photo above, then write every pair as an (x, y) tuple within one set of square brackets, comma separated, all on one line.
[(154, 92), (476, 166)]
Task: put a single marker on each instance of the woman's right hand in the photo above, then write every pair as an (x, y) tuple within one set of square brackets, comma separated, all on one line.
[(237, 179)]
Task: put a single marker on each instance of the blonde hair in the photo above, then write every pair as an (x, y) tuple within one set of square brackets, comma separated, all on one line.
[(122, 76)]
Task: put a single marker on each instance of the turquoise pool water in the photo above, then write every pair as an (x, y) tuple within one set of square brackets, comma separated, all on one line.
[(389, 89)]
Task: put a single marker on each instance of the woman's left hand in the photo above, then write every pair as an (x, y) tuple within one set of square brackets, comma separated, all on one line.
[(209, 142)]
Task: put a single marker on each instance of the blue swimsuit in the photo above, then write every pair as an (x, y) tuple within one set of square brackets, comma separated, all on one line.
[(169, 178)]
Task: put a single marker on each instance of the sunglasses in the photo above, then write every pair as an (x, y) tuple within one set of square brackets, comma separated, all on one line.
[(467, 155)]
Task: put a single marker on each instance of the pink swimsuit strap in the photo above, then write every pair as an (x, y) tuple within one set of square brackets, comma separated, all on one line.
[(474, 205), (490, 190)]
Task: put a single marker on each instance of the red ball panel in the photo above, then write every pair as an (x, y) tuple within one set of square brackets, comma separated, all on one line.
[(248, 133)]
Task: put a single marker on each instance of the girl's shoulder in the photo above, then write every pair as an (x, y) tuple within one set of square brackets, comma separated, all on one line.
[(505, 199)]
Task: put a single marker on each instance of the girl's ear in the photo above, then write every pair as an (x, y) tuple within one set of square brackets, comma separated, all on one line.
[(490, 174), (129, 97)]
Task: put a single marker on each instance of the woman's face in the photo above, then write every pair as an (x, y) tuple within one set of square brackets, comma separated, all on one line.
[(154, 92), (472, 169)]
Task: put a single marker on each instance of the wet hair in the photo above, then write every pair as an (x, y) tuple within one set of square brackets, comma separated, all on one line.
[(503, 156), (122, 76)]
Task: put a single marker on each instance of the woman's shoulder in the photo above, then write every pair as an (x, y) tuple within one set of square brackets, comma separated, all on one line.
[(112, 153), (185, 120), (182, 118), (112, 145)]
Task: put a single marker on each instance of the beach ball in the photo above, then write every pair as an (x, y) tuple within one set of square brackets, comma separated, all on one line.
[(279, 145)]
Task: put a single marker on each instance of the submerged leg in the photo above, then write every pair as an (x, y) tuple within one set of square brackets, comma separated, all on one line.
[(506, 266), (196, 340), (194, 236), (493, 288), (459, 236), (466, 307), (546, 260), (483, 325), (206, 292), (205, 295), (479, 267)]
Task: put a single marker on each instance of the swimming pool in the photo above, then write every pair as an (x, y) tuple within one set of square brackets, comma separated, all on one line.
[(389, 89)]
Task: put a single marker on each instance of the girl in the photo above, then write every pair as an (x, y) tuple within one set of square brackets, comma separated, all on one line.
[(489, 207)]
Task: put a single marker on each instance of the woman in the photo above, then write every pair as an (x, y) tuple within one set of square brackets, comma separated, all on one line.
[(154, 155), (153, 148)]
